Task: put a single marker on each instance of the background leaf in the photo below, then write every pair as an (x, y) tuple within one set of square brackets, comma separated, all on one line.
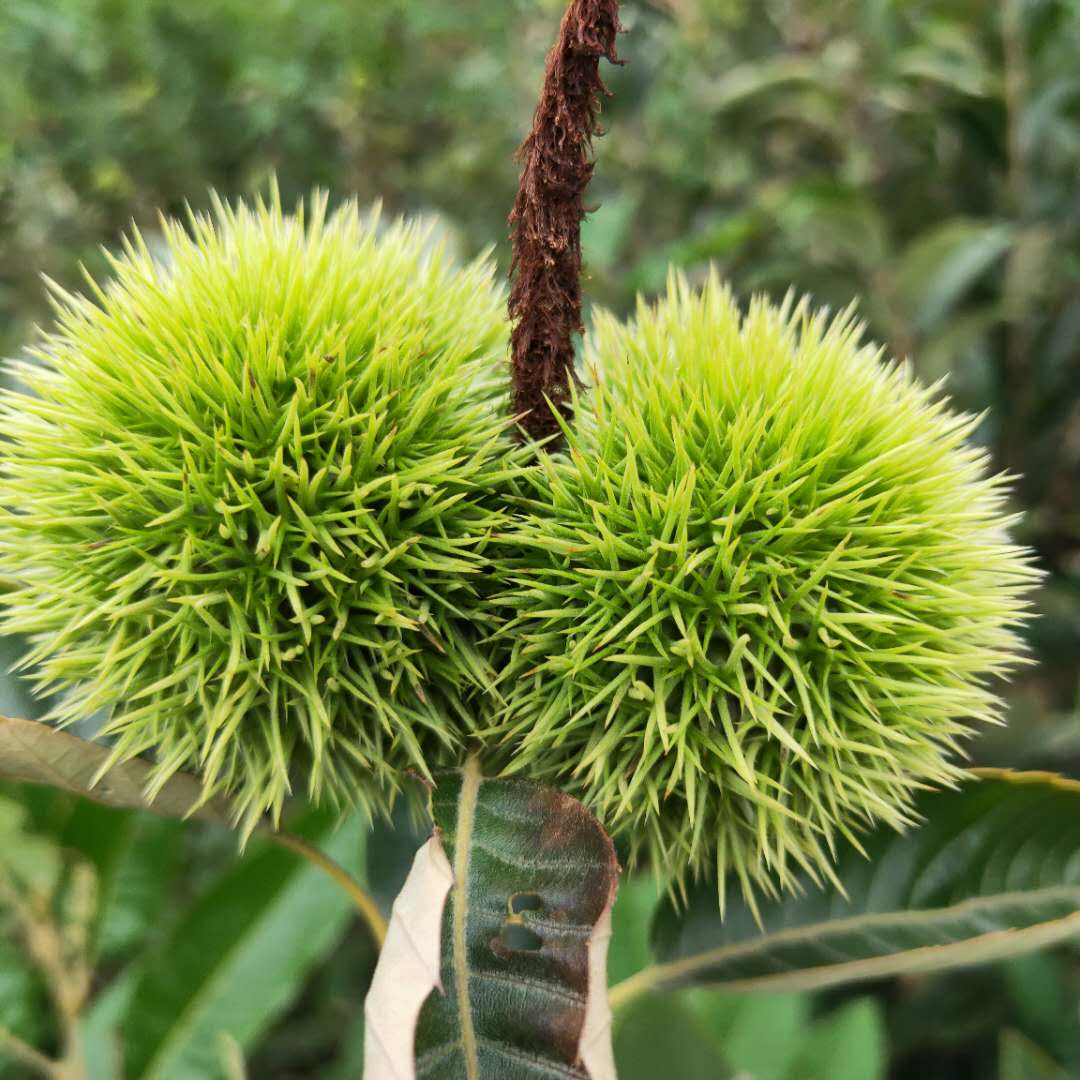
[(635, 904), (994, 871), (238, 957), (761, 1033), (940, 266), (848, 1045), (103, 1052), (22, 1005), (1022, 1059), (655, 1036)]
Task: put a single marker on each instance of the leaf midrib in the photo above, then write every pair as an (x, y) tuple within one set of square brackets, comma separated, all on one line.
[(187, 1018), (470, 787), (700, 961)]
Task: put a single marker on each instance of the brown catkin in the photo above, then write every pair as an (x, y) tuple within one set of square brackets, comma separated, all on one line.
[(545, 298)]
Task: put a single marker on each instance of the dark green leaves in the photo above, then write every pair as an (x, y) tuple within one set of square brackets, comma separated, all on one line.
[(653, 1035), (936, 271), (993, 871), (508, 906), (237, 958)]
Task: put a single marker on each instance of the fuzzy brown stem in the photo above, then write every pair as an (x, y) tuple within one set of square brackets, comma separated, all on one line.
[(545, 298)]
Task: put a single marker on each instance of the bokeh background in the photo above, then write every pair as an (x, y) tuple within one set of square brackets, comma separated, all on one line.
[(918, 157)]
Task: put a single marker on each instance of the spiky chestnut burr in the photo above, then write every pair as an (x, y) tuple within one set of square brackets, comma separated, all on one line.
[(245, 494), (763, 596)]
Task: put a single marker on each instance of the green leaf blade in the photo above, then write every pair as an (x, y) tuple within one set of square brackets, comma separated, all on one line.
[(666, 1038), (506, 914), (850, 1044), (238, 958), (526, 1006), (994, 872)]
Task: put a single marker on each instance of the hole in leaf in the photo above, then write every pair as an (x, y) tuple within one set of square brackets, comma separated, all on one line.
[(524, 901), (516, 937)]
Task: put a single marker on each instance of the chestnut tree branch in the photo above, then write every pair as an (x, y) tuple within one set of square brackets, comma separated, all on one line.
[(545, 225)]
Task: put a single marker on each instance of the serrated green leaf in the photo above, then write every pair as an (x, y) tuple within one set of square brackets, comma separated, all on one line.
[(993, 872)]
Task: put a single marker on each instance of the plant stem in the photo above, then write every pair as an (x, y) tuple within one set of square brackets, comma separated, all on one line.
[(367, 907), (26, 1055), (630, 989), (545, 225), (59, 956), (1018, 337)]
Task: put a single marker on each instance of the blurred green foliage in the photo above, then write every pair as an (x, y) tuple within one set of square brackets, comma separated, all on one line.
[(918, 157)]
